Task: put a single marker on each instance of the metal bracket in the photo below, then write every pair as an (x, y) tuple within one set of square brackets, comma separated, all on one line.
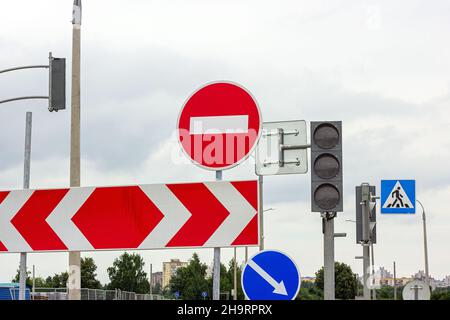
[(286, 132), (340, 235), (296, 162), (283, 147), (21, 68)]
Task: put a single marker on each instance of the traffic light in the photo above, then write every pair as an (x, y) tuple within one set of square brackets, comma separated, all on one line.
[(326, 164), (57, 84), (361, 196)]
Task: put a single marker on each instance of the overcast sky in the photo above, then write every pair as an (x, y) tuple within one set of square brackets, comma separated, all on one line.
[(382, 67)]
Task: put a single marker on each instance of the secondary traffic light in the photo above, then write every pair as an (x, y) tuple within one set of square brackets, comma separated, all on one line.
[(365, 193), (326, 163), (57, 84)]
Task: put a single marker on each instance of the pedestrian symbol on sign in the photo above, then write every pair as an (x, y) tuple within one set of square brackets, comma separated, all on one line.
[(398, 196)]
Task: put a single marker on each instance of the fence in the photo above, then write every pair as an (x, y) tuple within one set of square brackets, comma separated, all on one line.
[(91, 294)]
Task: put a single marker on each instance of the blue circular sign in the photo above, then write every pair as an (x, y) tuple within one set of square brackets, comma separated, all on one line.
[(176, 294), (271, 275), (204, 294)]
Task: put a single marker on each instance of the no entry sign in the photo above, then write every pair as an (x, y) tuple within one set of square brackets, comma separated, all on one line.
[(219, 125), (153, 216)]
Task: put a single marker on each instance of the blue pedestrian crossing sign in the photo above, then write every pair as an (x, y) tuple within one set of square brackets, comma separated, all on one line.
[(270, 275), (398, 196)]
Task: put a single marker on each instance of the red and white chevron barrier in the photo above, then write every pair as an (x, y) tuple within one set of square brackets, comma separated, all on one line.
[(155, 216)]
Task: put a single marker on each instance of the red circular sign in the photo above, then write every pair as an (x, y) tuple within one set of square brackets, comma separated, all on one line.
[(219, 125)]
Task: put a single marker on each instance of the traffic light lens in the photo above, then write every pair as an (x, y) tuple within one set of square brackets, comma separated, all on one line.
[(326, 196), (326, 136), (326, 166)]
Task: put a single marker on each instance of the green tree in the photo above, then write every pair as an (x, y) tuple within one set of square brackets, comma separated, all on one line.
[(441, 294), (309, 291), (345, 281), (225, 283), (38, 281), (386, 293), (88, 275), (57, 281), (28, 282), (157, 289), (127, 273), (190, 280)]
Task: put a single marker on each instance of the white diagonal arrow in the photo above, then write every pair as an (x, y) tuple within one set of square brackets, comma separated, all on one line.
[(279, 287), (60, 220), (241, 213), (175, 215)]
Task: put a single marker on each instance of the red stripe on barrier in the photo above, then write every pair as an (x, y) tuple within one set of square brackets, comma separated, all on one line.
[(30, 220), (3, 195), (248, 236), (207, 214), (2, 247), (249, 190)]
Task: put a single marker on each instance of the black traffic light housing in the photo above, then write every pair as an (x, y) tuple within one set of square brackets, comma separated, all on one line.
[(57, 84), (326, 166)]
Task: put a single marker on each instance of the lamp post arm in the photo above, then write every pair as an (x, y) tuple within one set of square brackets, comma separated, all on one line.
[(44, 66), (23, 98)]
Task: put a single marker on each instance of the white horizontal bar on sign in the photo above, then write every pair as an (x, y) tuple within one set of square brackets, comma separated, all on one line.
[(219, 124)]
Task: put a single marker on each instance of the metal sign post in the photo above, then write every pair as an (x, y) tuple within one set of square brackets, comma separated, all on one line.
[(26, 185), (261, 211), (216, 266)]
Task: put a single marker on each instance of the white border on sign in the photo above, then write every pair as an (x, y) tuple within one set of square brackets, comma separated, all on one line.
[(251, 149), (273, 250)]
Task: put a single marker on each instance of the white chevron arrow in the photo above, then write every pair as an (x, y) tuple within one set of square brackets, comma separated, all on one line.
[(241, 213), (175, 215), (60, 219), (279, 287), (9, 235)]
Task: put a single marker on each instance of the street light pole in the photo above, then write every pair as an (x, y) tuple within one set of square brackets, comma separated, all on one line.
[(151, 282), (395, 283), (425, 244)]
